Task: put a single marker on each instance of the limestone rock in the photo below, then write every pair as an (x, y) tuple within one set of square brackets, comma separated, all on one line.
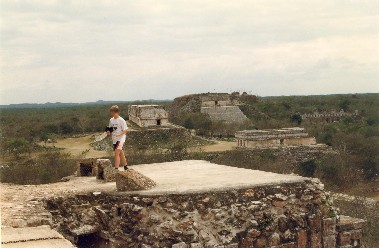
[(102, 215), (132, 180), (105, 170), (180, 245), (85, 229)]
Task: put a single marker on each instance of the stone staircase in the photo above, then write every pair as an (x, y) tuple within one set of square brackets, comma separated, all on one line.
[(227, 114)]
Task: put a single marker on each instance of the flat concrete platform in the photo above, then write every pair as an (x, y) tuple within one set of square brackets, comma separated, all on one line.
[(202, 176), (30, 237)]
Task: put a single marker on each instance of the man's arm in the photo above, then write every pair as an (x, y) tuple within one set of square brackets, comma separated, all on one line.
[(107, 130)]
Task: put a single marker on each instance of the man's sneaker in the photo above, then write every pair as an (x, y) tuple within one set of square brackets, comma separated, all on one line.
[(120, 168), (125, 168)]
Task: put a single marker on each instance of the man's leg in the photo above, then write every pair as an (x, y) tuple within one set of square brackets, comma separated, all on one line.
[(123, 159), (122, 155), (117, 158), (116, 154)]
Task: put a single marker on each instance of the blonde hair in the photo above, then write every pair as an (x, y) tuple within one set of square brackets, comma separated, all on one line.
[(114, 108)]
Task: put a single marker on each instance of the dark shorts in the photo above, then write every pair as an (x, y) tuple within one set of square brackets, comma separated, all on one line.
[(118, 145)]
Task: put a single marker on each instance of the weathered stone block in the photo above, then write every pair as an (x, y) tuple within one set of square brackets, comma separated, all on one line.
[(288, 245), (349, 223), (328, 226), (356, 234), (315, 239), (180, 245), (105, 170), (259, 243), (344, 238), (302, 238), (274, 239), (279, 204), (253, 233), (132, 180), (235, 245), (196, 245), (85, 229), (102, 216), (314, 222), (329, 241)]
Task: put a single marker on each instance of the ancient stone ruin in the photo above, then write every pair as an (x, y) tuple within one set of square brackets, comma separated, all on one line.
[(331, 116), (199, 204), (148, 115), (294, 136), (222, 107), (86, 167), (218, 100)]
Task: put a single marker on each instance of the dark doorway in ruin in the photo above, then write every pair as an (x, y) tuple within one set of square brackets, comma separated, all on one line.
[(86, 169), (92, 240), (281, 141), (216, 103), (100, 173), (158, 122)]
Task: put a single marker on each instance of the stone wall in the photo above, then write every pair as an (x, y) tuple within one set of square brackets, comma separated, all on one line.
[(274, 138), (332, 116), (276, 142), (218, 99), (227, 114), (148, 115), (163, 137), (286, 215), (295, 155)]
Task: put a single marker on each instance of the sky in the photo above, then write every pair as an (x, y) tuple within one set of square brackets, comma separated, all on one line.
[(80, 51)]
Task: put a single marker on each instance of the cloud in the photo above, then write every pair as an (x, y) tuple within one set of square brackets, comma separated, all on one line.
[(75, 50)]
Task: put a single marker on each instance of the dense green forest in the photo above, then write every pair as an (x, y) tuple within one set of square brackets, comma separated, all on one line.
[(22, 128)]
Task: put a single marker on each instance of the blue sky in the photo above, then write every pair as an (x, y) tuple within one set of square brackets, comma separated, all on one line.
[(78, 51)]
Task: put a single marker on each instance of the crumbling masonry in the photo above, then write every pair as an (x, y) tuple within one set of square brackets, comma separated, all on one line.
[(148, 115), (274, 138), (222, 107), (181, 211)]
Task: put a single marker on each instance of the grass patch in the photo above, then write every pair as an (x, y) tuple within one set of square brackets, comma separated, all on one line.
[(48, 167)]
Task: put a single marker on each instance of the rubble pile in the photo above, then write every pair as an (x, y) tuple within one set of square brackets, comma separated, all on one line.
[(132, 180)]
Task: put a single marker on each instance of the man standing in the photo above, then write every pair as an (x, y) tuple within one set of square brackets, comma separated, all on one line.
[(118, 128)]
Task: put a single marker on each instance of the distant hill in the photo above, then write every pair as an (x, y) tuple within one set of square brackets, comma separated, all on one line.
[(62, 105)]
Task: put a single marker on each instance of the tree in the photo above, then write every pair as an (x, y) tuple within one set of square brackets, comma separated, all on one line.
[(307, 168), (344, 104), (297, 118), (17, 146), (370, 169), (65, 128), (188, 123)]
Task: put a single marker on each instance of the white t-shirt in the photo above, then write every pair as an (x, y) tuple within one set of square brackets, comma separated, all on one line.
[(120, 124)]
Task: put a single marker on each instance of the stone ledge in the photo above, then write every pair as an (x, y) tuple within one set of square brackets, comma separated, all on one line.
[(41, 237), (349, 223)]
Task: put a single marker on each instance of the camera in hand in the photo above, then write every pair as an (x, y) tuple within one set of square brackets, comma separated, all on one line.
[(110, 129)]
